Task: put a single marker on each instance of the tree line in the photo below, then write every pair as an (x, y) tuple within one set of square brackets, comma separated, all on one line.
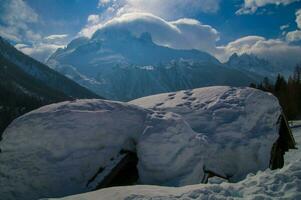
[(288, 92)]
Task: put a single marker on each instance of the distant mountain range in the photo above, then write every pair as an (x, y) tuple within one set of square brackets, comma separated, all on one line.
[(26, 84), (120, 66), (254, 65)]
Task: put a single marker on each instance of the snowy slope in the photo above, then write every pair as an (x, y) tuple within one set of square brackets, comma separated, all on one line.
[(284, 183)]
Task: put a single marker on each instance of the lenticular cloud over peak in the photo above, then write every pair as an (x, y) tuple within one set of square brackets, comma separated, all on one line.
[(183, 33)]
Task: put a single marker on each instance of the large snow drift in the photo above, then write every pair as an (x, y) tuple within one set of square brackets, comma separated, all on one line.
[(69, 148), (283, 183), (56, 150)]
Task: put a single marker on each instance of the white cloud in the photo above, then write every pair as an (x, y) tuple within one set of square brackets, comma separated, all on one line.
[(21, 46), (102, 3), (239, 46), (294, 36), (276, 51), (93, 19), (285, 26), (9, 33), (167, 9), (42, 48), (15, 16), (298, 18), (55, 37), (251, 6), (181, 34), (40, 51)]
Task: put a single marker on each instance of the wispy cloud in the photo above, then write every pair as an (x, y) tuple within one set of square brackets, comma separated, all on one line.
[(295, 35), (40, 51), (251, 6), (15, 16), (167, 9), (56, 37), (285, 26)]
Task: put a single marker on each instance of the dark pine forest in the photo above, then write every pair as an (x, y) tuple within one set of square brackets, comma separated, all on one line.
[(288, 92)]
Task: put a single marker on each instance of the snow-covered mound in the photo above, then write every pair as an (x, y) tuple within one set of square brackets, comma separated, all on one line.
[(68, 148), (284, 183), (241, 124), (72, 147)]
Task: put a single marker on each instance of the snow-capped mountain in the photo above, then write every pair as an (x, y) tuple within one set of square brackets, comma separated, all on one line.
[(121, 66), (252, 64)]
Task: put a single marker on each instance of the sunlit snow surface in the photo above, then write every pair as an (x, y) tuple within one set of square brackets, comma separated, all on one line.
[(284, 183), (55, 150), (240, 124)]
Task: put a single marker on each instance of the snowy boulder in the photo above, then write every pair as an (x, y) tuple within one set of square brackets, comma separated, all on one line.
[(72, 147), (244, 126)]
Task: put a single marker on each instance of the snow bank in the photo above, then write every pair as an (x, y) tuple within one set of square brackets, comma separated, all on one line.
[(239, 123), (283, 183), (69, 148), (56, 150)]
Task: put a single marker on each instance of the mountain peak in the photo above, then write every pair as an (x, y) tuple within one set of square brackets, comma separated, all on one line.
[(77, 42), (247, 59), (146, 37), (253, 63), (107, 34)]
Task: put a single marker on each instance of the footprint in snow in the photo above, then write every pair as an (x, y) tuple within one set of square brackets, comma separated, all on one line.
[(188, 92), (159, 104), (185, 97), (192, 99)]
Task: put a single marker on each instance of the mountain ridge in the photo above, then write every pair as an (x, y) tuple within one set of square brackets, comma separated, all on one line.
[(121, 66), (43, 73), (26, 84), (251, 63)]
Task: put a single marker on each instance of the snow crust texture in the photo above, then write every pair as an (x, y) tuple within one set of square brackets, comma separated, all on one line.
[(241, 125), (56, 150)]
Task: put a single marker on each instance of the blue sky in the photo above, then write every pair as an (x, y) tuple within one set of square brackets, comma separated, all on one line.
[(38, 27)]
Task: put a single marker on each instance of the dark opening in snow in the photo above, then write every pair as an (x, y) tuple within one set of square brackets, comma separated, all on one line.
[(285, 142), (123, 174), (210, 174)]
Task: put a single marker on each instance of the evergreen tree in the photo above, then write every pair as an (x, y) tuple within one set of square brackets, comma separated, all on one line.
[(288, 92)]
